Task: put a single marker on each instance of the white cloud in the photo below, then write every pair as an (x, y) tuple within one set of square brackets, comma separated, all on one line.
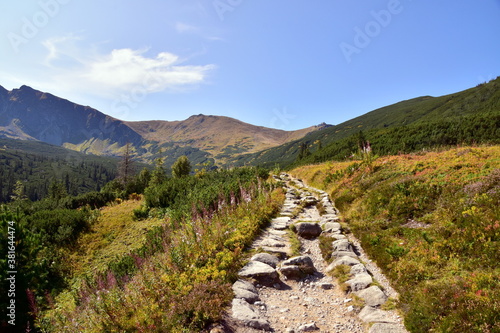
[(120, 70), (183, 28)]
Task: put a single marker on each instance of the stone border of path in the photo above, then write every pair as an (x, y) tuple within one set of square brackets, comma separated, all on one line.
[(265, 268)]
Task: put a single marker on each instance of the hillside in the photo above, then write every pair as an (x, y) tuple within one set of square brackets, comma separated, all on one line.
[(431, 221), (36, 165), (28, 114), (426, 118)]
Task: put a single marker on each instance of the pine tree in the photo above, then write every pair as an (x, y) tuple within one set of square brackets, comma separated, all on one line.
[(181, 167)]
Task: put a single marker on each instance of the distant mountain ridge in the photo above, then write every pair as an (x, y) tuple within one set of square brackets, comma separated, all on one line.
[(29, 114)]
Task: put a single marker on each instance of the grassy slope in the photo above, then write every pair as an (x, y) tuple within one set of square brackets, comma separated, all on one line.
[(114, 234), (484, 98), (431, 221)]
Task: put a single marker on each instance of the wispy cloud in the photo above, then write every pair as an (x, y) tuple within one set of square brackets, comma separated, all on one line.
[(181, 27)]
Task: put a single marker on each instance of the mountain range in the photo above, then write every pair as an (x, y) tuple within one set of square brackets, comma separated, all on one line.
[(469, 116), (28, 114)]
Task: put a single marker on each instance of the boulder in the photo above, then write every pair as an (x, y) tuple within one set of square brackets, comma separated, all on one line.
[(260, 271), (373, 296), (266, 258), (308, 230), (360, 281)]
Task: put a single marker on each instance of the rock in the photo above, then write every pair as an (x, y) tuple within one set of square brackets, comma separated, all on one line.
[(372, 296), (266, 258), (259, 271), (308, 230), (370, 314), (338, 254), (242, 284), (281, 220), (309, 200), (245, 290), (331, 227), (272, 243), (342, 245), (358, 269), (292, 272), (326, 286), (308, 328), (360, 281), (305, 264), (280, 252), (386, 328), (243, 312), (345, 260)]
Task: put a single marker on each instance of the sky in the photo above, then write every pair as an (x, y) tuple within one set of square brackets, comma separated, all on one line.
[(282, 64)]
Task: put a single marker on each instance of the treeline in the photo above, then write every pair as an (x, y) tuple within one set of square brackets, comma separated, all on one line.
[(483, 128)]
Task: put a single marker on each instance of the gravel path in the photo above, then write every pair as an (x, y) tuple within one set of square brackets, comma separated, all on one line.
[(315, 302)]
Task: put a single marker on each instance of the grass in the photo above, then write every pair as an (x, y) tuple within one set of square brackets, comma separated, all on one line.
[(114, 233), (295, 244), (431, 222)]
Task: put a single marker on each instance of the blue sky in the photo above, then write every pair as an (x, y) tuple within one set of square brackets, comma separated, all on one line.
[(282, 64)]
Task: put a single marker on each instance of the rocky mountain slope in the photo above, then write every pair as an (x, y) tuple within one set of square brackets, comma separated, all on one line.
[(28, 114)]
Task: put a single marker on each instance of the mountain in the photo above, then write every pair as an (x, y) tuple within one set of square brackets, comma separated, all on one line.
[(469, 116), (28, 114), (222, 137)]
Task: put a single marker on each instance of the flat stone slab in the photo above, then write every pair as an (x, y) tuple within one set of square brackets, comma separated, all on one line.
[(280, 220), (338, 254), (272, 243), (370, 314), (373, 296), (331, 226), (345, 260), (387, 328)]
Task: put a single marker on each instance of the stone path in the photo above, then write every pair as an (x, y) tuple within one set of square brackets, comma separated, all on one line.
[(280, 293)]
